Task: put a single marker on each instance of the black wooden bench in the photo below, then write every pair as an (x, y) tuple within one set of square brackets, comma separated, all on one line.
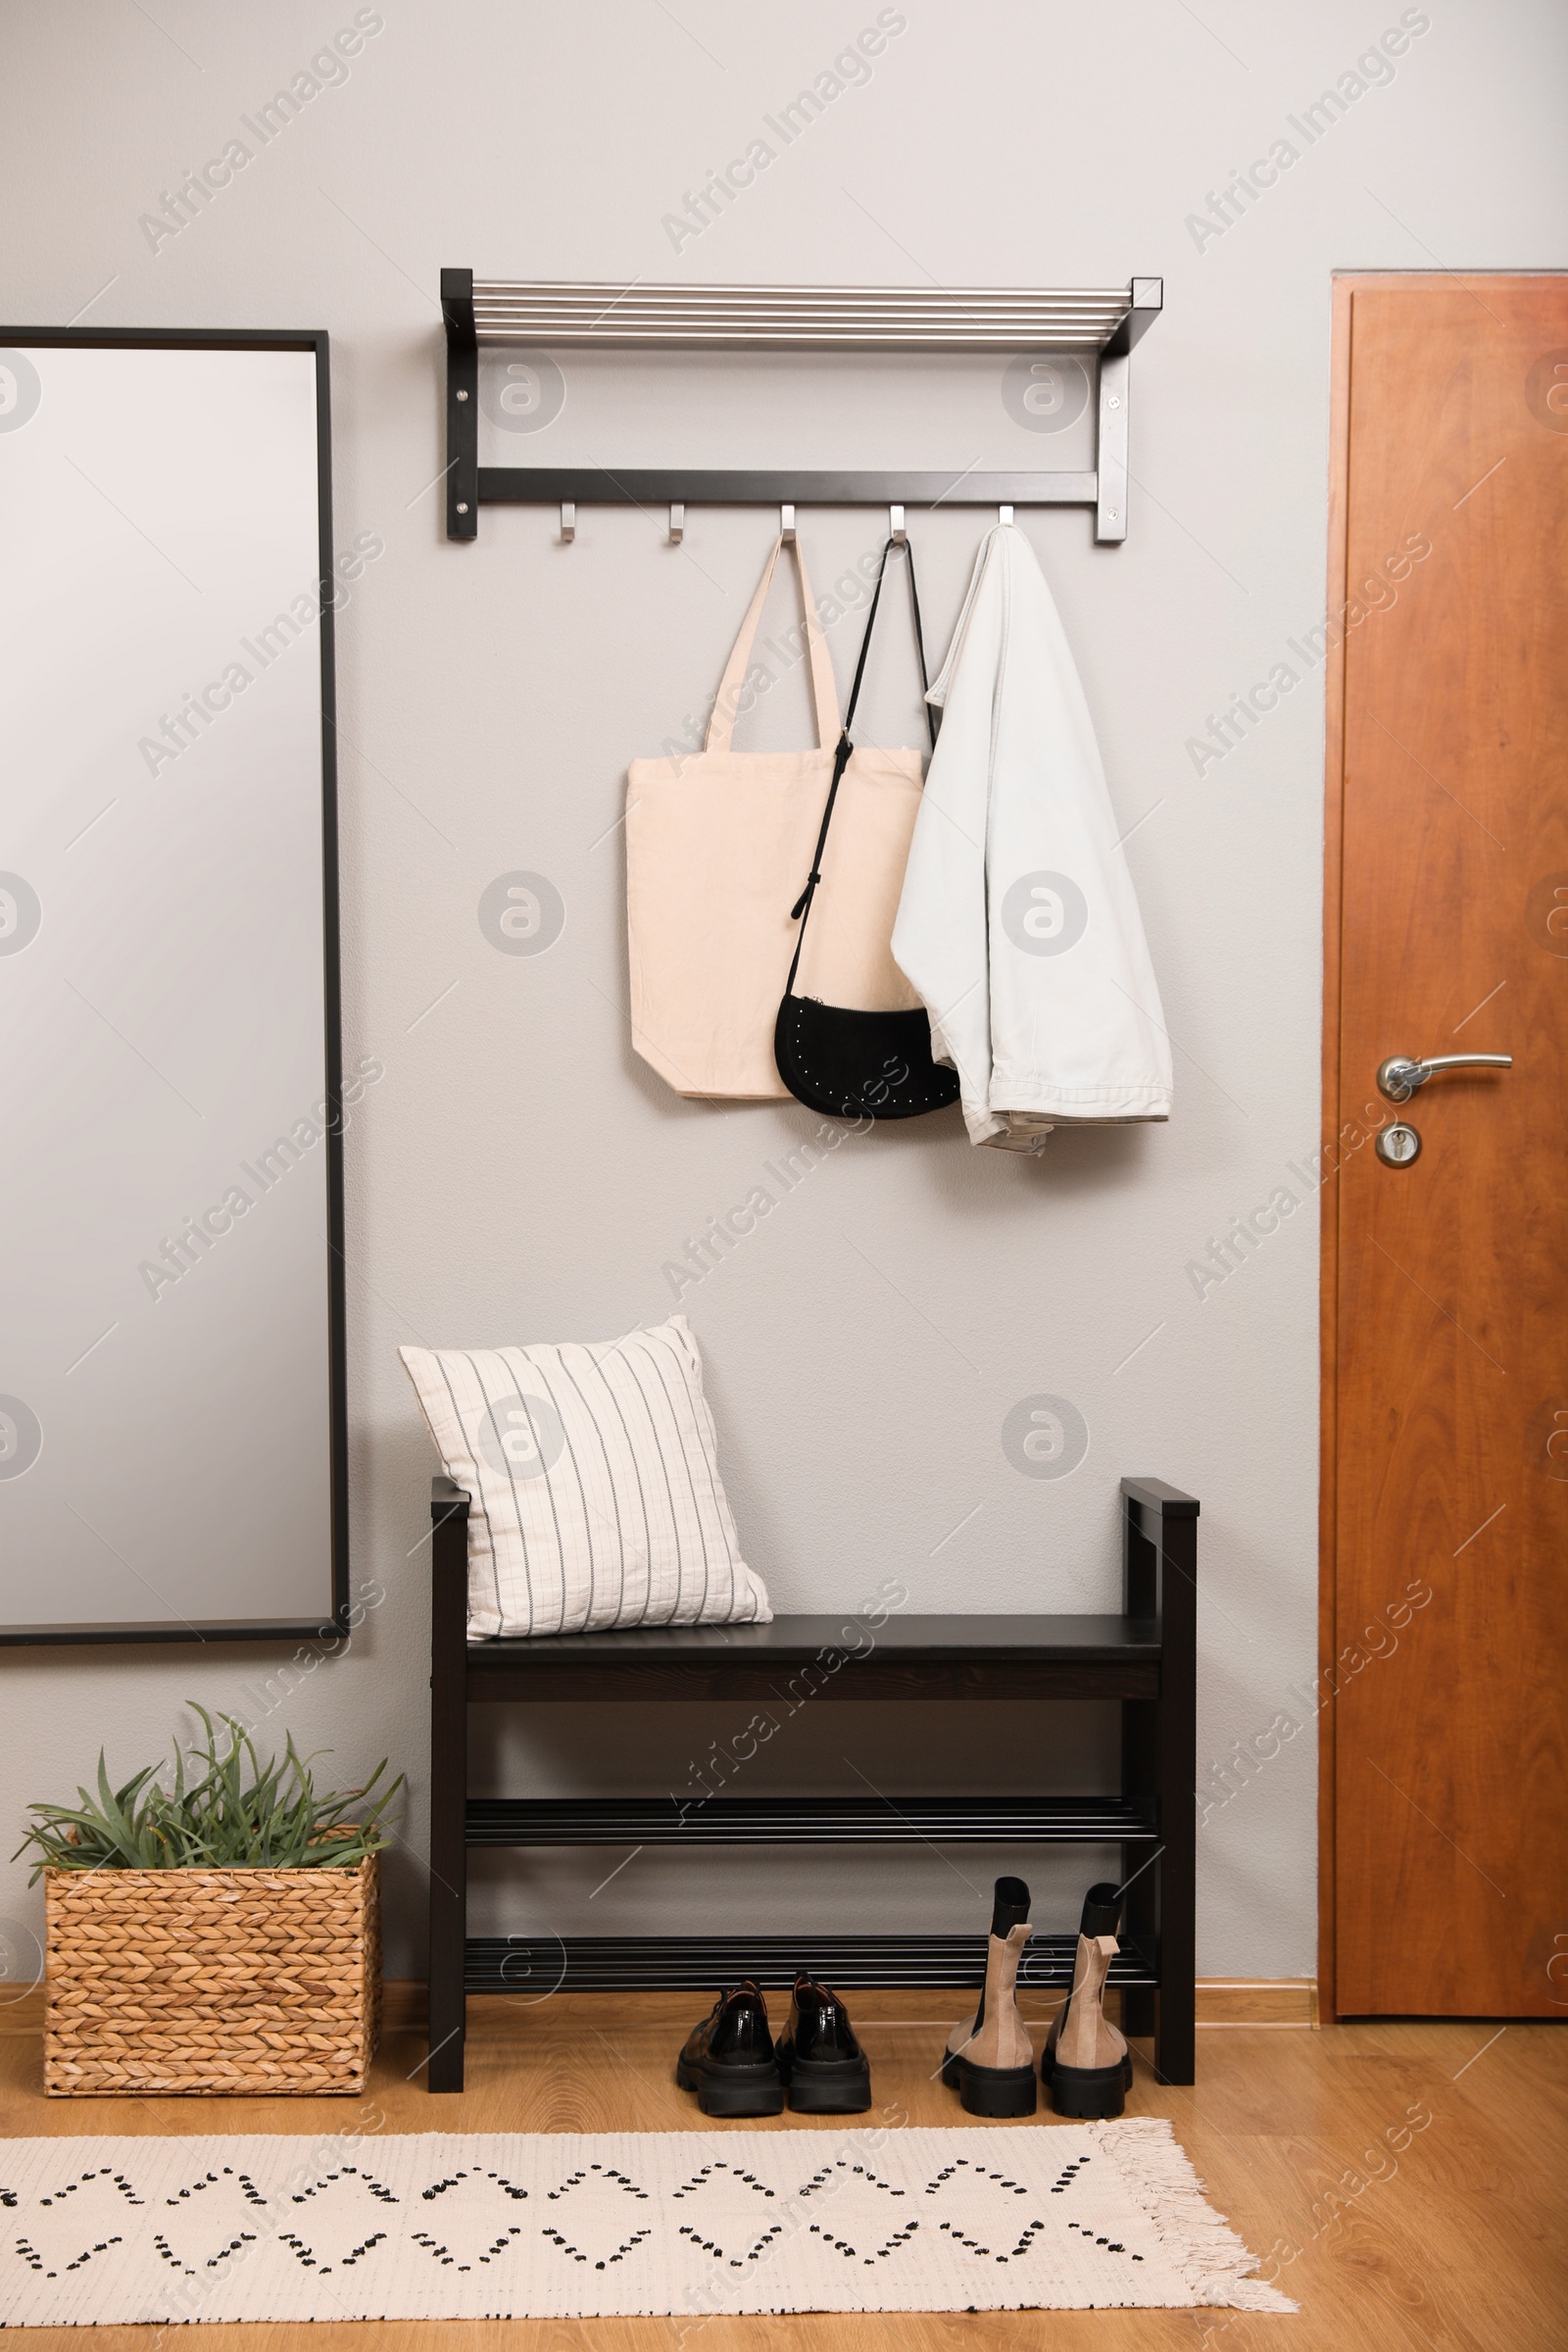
[(1144, 1657)]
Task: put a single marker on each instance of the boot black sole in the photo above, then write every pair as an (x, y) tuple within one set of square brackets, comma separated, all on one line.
[(732, 2091), (991, 2090), (1048, 2068), (1092, 2093), (825, 2090)]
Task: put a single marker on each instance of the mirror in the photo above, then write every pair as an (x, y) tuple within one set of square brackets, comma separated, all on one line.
[(171, 1405)]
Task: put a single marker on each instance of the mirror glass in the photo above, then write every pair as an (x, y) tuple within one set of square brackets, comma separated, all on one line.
[(171, 1407)]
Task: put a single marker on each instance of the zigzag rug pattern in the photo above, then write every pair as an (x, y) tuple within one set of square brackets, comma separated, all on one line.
[(709, 2222)]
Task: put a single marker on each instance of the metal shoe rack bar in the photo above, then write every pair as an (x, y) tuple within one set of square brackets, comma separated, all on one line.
[(544, 1964), (810, 1821), (1144, 1657), (1104, 323)]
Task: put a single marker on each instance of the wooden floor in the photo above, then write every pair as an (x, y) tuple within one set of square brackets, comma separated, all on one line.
[(1403, 2182)]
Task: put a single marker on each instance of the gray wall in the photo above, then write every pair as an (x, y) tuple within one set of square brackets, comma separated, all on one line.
[(517, 1174)]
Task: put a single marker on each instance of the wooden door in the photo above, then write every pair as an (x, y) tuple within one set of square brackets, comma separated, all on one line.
[(1446, 1280)]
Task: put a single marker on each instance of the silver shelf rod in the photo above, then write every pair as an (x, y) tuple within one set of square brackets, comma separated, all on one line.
[(825, 297), (827, 314), (720, 302)]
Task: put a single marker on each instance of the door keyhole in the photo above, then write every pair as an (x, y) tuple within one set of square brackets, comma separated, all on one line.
[(1398, 1146)]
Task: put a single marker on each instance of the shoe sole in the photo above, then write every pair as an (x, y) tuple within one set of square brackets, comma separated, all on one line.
[(825, 2090), (1047, 2067), (1092, 2093), (991, 2090), (730, 2091)]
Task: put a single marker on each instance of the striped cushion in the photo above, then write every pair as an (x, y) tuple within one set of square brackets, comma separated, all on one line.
[(593, 1472)]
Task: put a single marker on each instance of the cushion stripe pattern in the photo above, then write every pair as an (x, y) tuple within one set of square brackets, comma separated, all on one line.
[(594, 1476)]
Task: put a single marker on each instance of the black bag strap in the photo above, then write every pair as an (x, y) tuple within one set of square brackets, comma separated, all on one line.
[(841, 758)]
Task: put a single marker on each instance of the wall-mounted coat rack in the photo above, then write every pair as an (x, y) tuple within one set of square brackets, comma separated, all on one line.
[(1107, 321)]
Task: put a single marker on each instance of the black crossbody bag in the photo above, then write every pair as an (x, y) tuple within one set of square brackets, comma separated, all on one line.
[(847, 1063)]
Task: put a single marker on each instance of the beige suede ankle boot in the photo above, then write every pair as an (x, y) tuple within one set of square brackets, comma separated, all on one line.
[(1101, 1914), (989, 2060), (1086, 2060)]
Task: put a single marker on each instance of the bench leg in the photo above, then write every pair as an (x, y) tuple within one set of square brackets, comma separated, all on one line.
[(1176, 1746), (447, 2000), (1175, 2003), (449, 1799)]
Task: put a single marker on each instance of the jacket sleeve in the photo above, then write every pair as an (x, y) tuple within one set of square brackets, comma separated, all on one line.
[(1077, 1030)]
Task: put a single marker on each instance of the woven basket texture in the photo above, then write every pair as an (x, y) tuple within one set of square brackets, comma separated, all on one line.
[(240, 1981)]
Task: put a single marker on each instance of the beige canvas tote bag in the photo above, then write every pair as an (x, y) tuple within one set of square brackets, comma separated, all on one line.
[(717, 842)]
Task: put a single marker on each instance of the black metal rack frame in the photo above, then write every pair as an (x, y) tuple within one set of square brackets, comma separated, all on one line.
[(1106, 321), (1146, 1658)]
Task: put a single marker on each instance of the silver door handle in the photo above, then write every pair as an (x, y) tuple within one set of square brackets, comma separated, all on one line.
[(1400, 1075)]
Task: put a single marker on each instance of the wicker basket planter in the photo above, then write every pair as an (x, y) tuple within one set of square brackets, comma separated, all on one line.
[(238, 1981)]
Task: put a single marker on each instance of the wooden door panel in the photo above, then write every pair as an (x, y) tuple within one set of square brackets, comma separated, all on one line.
[(1451, 1769)]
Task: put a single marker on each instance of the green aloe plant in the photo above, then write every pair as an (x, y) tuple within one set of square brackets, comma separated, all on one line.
[(225, 1811)]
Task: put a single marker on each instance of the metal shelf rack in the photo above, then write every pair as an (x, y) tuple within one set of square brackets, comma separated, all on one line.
[(1107, 321)]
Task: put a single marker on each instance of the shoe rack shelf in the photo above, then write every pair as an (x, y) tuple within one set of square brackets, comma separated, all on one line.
[(1145, 1658), (663, 1963), (810, 1820)]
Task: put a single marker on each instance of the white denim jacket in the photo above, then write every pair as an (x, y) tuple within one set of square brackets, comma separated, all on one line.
[(1018, 924)]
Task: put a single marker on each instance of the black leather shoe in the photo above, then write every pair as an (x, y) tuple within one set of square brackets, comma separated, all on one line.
[(728, 2059), (824, 2068)]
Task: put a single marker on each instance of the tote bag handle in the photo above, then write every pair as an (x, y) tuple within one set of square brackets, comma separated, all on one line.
[(824, 691)]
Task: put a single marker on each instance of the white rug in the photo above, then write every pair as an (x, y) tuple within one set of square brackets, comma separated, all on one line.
[(561, 2224)]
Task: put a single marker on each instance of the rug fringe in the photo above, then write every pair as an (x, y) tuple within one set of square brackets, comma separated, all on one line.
[(1211, 2258)]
